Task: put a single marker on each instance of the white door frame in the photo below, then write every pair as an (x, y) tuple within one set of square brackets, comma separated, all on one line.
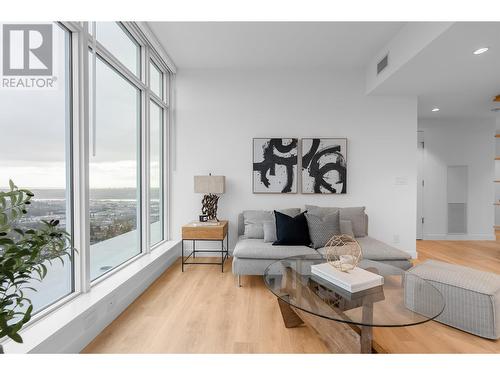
[(420, 184)]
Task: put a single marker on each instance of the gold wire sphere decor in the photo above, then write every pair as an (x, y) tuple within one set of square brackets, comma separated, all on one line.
[(343, 252)]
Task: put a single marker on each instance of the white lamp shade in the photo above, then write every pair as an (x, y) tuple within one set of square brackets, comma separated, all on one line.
[(209, 184)]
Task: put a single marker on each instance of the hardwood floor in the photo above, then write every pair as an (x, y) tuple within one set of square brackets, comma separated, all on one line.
[(203, 311)]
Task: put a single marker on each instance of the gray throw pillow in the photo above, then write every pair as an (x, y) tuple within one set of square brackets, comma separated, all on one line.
[(270, 231), (346, 227), (355, 214), (321, 229), (254, 220)]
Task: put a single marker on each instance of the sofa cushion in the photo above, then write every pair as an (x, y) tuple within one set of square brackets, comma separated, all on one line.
[(355, 214), (377, 250), (321, 229), (254, 248), (346, 227), (253, 220), (291, 231)]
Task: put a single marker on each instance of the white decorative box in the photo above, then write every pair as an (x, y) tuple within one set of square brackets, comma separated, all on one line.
[(353, 281)]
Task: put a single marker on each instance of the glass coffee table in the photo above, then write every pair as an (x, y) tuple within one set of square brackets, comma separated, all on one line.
[(345, 320)]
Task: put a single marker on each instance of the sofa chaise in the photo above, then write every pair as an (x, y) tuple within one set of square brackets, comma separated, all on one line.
[(251, 256)]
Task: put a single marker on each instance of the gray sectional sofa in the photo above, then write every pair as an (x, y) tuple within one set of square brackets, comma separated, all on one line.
[(251, 256)]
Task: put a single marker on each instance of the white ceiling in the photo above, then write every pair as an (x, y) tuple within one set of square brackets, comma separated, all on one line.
[(446, 74), (335, 45)]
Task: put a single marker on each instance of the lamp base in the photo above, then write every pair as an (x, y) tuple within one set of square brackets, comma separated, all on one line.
[(209, 206)]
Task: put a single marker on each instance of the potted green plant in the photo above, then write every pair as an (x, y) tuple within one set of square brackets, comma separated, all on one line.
[(23, 258)]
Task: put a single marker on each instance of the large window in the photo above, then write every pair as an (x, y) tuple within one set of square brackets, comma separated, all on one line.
[(92, 148), (118, 134), (35, 152), (114, 171)]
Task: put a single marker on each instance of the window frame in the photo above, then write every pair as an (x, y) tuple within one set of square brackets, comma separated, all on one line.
[(73, 140), (140, 147), (152, 63), (79, 140), (139, 75), (146, 93), (162, 153), (70, 180)]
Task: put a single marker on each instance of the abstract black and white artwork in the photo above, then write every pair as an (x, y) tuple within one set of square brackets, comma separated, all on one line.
[(324, 165), (275, 165)]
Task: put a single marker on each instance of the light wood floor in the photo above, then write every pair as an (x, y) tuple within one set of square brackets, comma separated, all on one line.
[(203, 311)]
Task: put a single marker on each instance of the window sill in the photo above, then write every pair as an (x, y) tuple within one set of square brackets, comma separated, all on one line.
[(83, 310)]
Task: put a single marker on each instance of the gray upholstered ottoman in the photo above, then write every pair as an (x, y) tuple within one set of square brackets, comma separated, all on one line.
[(472, 297)]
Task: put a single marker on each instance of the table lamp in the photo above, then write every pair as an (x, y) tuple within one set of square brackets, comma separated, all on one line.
[(210, 186)]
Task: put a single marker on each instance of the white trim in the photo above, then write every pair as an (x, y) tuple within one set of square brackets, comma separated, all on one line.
[(145, 156), (173, 121), (459, 237), (156, 45), (170, 154), (82, 169)]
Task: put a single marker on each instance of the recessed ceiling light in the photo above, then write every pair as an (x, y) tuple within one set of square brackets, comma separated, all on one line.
[(436, 109), (480, 50)]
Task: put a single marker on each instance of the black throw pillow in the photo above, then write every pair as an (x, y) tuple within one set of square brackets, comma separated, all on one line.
[(291, 230)]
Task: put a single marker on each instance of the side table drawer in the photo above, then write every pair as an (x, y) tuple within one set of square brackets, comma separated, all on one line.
[(216, 232)]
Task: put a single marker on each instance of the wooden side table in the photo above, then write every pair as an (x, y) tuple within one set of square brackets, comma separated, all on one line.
[(198, 232)]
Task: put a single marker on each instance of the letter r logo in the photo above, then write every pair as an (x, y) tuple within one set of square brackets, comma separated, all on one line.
[(27, 50)]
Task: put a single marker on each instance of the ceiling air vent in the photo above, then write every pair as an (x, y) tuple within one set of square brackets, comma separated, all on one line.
[(382, 64)]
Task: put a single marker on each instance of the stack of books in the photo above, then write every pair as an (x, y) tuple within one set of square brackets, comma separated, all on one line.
[(353, 281)]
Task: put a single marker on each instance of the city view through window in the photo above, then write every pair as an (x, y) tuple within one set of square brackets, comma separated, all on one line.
[(34, 153)]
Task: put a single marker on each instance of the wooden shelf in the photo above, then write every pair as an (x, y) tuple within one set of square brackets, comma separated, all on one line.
[(497, 135), (497, 203), (497, 158)]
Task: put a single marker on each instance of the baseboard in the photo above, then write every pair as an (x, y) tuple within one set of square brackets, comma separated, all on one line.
[(459, 237)]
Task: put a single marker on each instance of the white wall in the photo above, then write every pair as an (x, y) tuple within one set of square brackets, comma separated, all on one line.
[(451, 143), (404, 46), (497, 173), (219, 112)]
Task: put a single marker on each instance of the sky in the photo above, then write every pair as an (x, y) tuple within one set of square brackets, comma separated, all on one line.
[(34, 129)]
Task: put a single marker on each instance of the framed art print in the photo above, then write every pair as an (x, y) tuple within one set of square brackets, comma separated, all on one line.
[(275, 165), (324, 165)]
